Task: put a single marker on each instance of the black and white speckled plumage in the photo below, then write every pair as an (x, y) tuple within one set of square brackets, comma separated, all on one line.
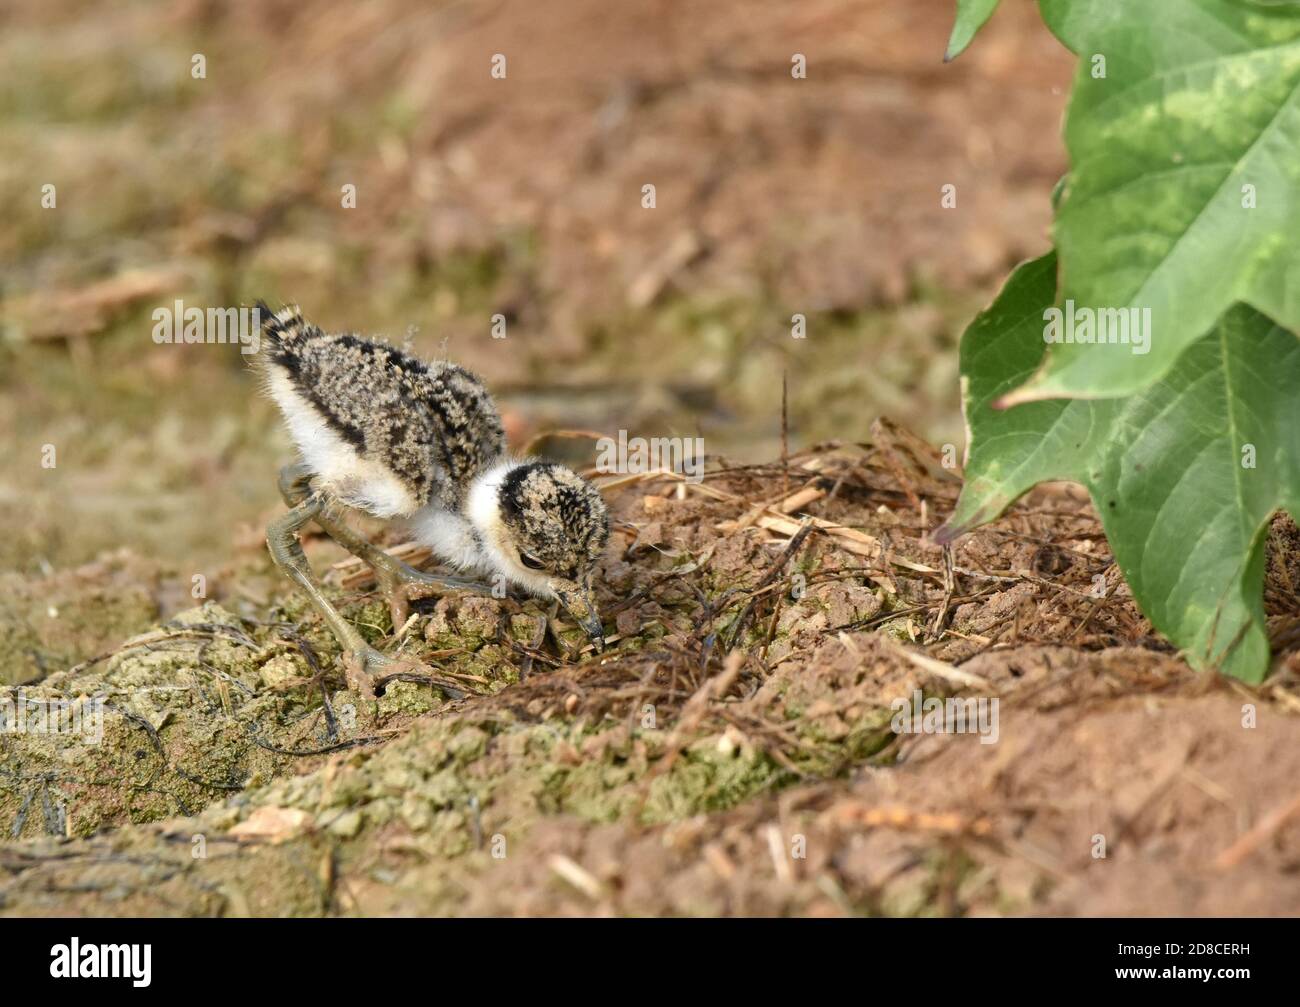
[(432, 425), (386, 433), (556, 516)]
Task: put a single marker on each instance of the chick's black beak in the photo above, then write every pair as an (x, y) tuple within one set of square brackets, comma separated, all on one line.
[(594, 629), (578, 603)]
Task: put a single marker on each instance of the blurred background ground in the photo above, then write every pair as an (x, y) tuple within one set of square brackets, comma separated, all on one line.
[(478, 196)]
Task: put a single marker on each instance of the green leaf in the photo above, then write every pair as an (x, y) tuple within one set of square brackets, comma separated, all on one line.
[(972, 15), (1200, 99), (1166, 468)]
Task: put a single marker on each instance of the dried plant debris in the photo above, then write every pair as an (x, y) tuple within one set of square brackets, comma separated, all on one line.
[(771, 730)]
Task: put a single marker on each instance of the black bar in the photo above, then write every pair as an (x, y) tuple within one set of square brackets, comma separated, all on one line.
[(337, 957)]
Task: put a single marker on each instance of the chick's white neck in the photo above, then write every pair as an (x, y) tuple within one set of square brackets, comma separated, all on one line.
[(483, 508), (476, 538)]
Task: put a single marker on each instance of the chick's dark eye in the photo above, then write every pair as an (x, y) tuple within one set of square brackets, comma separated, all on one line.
[(532, 562)]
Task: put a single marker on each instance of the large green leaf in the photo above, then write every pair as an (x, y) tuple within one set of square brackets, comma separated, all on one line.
[(1185, 516), (1199, 100), (971, 17)]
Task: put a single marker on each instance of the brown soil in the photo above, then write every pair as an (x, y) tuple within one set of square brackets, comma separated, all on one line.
[(732, 753)]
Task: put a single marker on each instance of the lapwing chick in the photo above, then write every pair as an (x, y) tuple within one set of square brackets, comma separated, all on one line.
[(383, 432)]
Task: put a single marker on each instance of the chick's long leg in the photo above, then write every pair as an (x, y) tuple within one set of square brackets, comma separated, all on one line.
[(399, 581), (286, 550), (295, 483)]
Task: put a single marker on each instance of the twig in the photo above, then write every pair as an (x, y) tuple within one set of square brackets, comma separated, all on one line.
[(410, 676), (791, 548), (941, 669), (1255, 838)]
